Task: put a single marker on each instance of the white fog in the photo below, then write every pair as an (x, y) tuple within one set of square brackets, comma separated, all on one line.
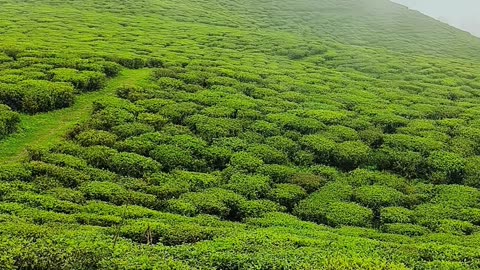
[(462, 14)]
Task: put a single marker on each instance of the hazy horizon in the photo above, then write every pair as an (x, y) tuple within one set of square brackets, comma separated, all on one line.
[(462, 14)]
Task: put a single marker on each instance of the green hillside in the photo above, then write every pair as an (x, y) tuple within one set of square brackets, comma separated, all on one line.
[(288, 134)]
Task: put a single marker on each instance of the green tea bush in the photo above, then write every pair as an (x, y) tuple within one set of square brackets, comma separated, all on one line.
[(366, 177), (283, 144), (8, 121), (457, 196), (455, 227), (265, 128), (472, 172), (186, 234), (198, 180), (189, 142), (471, 215), (268, 154), (154, 120), (152, 105), (172, 157), (389, 122), (341, 134), (130, 164), (116, 194), (378, 196), (132, 129), (317, 205), (308, 181), (84, 81), (97, 220), (216, 201), (396, 215), (233, 126), (34, 96), (64, 160), (134, 93), (278, 173), (320, 145), (216, 157), (257, 208), (428, 213), (15, 172), (178, 113), (67, 194), (111, 69), (109, 117), (141, 145), (350, 155), (68, 177), (406, 163), (249, 186), (446, 167), (411, 230), (105, 191), (44, 202), (245, 161), (349, 214), (287, 195), (96, 137), (99, 156)]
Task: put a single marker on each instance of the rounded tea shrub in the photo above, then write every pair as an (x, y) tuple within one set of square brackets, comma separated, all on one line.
[(349, 214), (287, 195), (378, 196), (396, 215), (308, 181), (96, 137)]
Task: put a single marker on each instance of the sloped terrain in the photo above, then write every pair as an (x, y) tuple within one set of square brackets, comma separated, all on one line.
[(239, 135)]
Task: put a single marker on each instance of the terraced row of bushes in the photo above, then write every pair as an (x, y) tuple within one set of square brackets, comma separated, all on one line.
[(181, 154)]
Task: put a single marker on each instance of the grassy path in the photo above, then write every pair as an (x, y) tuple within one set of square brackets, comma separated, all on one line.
[(47, 129)]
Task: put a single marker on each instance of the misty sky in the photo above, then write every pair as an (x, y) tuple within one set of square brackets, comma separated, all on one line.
[(463, 14)]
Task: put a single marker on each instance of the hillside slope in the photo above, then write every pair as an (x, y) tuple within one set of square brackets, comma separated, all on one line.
[(237, 135)]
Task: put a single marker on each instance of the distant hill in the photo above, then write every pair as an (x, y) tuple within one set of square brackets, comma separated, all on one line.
[(463, 14)]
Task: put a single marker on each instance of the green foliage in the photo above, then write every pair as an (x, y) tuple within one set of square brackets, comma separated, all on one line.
[(245, 161), (321, 146), (172, 157), (278, 173), (446, 167), (15, 172), (309, 182), (350, 155), (395, 215), (287, 195), (132, 129), (232, 148), (219, 202), (82, 80), (349, 214), (96, 137), (33, 96), (472, 172), (257, 208), (405, 229), (378, 196), (8, 121), (317, 206), (249, 186), (134, 165)]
